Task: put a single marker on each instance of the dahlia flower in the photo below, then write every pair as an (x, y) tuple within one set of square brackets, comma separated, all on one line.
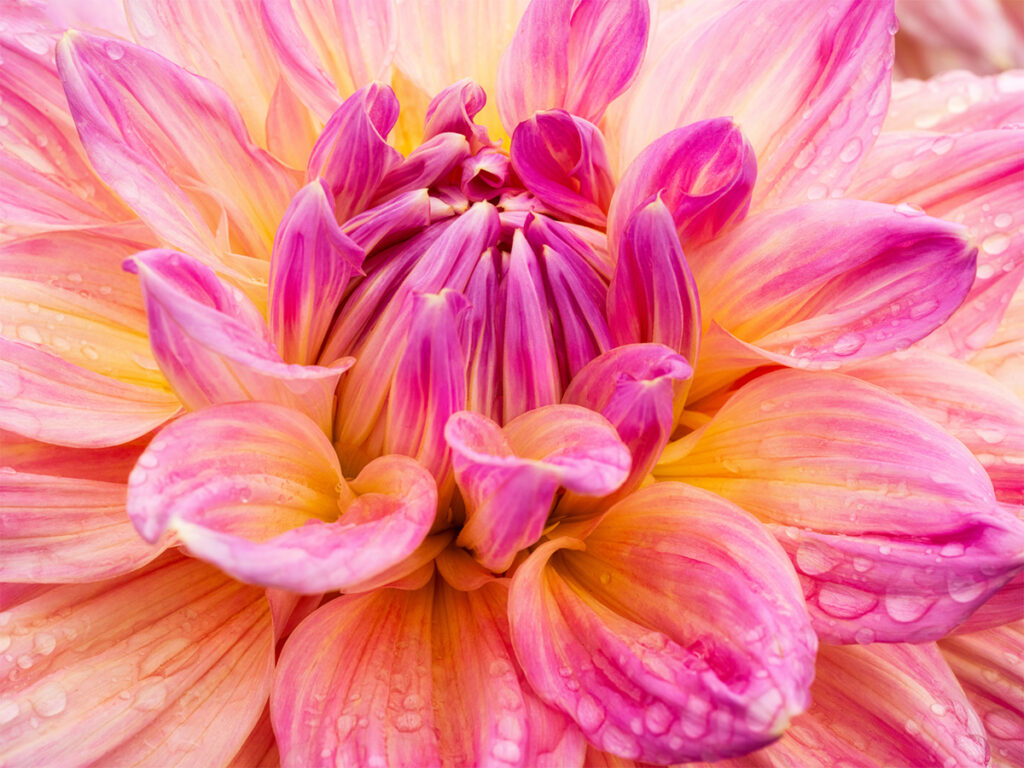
[(556, 383)]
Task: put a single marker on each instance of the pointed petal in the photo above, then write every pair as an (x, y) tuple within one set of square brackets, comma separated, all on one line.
[(291, 129), (884, 704), (810, 103), (576, 56), (397, 219), (256, 489), (955, 102), (823, 283), (61, 529), (260, 749), (425, 166), (653, 295), (562, 160), (972, 179), (45, 398), (704, 173), (352, 154), (169, 142), (103, 667), (509, 477), (452, 648), (312, 264), (224, 42), (212, 345), (660, 636), (890, 520), (452, 111), (635, 387), (974, 408), (329, 49), (987, 665)]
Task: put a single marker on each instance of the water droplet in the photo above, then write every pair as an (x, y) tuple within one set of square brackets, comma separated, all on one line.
[(90, 352), (905, 609), (657, 718), (50, 699), (74, 277), (851, 150), (923, 309), (605, 577), (902, 170), (864, 636), (848, 343), (992, 435), (510, 728), (942, 145), (1003, 220), (817, 192), (953, 549), (957, 105), (909, 209), (32, 307), (412, 701), (804, 158), (24, 661), (148, 460), (408, 722), (151, 695), (762, 711), (8, 711), (506, 751), (814, 558), (589, 714), (30, 334), (938, 709), (45, 643), (114, 51), (996, 243), (965, 587)]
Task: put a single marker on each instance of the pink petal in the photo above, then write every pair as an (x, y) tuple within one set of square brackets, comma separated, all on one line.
[(562, 160), (110, 465), (653, 296), (987, 665), (676, 632), (509, 477), (58, 529), (388, 660), (452, 111), (291, 129), (257, 490), (975, 409), (329, 49), (891, 522), (574, 56), (825, 283), (260, 749), (352, 154), (485, 175), (809, 83), (1002, 357), (212, 345), (956, 101), (225, 43), (636, 387), (398, 219), (312, 264), (173, 147), (1004, 607), (425, 166), (45, 398), (972, 179), (891, 705), (95, 670), (703, 172)]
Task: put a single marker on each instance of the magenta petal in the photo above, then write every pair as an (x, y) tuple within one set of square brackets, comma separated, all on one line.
[(635, 387), (562, 160), (352, 154), (653, 296), (453, 110), (573, 55), (211, 343), (704, 173), (311, 265), (425, 166)]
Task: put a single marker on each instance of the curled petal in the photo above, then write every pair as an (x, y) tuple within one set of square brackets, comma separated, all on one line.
[(94, 670), (400, 655), (561, 159), (509, 477), (676, 632), (572, 55), (453, 110), (987, 664), (256, 489), (704, 173), (310, 269), (891, 521), (430, 162), (352, 154), (211, 343), (653, 295)]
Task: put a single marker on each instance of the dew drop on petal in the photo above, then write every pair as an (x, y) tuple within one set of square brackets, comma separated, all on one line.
[(996, 243), (848, 343), (589, 714), (1003, 220), (8, 711), (151, 695), (851, 150), (114, 51), (50, 699), (506, 751), (905, 609)]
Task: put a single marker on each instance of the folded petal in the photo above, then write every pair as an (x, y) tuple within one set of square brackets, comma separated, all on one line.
[(636, 387), (509, 476), (972, 179), (977, 410), (825, 283), (810, 102), (425, 166), (327, 49), (653, 295), (312, 264), (987, 664), (572, 56), (45, 398), (704, 173), (211, 343), (561, 159), (93, 671), (676, 632), (452, 111), (387, 661), (61, 529), (957, 101), (174, 148), (885, 704), (890, 520), (352, 154), (256, 489)]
